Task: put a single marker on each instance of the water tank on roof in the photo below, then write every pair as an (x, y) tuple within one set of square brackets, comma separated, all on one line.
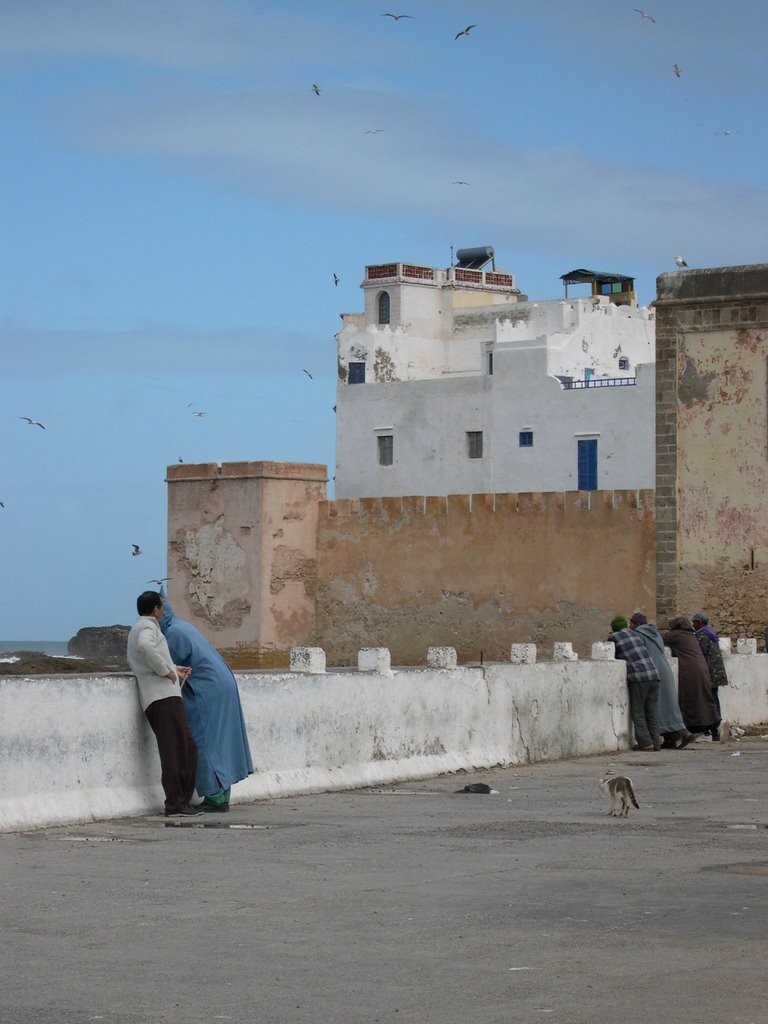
[(474, 259)]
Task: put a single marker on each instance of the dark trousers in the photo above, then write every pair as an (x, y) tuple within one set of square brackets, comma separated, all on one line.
[(644, 709), (177, 749)]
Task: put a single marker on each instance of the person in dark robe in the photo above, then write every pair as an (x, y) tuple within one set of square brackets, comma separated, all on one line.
[(213, 710), (693, 682), (671, 725), (709, 642)]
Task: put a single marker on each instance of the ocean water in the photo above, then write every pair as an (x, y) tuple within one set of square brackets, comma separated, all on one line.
[(56, 648)]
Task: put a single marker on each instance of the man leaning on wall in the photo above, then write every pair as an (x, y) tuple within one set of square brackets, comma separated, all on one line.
[(160, 682)]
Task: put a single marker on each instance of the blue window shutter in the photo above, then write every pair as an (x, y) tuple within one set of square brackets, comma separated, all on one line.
[(587, 465)]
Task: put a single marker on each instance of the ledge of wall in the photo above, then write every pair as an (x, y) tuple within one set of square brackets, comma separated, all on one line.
[(61, 765)]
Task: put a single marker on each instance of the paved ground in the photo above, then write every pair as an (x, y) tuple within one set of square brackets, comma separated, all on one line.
[(409, 904)]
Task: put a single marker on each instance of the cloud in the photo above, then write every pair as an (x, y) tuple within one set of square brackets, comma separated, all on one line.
[(162, 351), (307, 151)]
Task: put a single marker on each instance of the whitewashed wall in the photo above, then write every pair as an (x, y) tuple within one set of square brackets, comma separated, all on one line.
[(79, 749)]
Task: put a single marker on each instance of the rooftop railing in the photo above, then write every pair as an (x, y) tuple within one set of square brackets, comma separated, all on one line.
[(599, 382)]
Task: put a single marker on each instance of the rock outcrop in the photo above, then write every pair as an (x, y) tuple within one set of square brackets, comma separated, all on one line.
[(101, 643)]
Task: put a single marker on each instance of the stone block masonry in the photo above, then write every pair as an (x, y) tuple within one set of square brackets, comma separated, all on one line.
[(312, 731), (476, 571)]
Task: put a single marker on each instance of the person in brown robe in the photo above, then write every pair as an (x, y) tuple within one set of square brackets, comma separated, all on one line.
[(693, 682)]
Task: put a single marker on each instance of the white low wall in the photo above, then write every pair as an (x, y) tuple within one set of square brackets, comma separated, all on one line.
[(79, 749)]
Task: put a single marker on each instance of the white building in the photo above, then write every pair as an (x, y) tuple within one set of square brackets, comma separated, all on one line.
[(451, 381)]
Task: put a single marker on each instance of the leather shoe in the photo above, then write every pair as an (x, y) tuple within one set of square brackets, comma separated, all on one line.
[(187, 810), (213, 808)]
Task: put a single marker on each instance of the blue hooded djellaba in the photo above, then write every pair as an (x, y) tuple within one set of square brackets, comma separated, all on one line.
[(212, 706)]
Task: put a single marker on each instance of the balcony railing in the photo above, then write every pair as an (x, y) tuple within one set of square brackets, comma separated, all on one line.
[(461, 276), (599, 382)]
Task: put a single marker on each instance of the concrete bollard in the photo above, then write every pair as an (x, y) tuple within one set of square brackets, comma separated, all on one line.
[(308, 659), (725, 645), (522, 654), (746, 645), (373, 659), (563, 651), (441, 657), (603, 651)]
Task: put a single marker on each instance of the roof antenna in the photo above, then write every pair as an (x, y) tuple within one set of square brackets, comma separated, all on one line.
[(451, 255)]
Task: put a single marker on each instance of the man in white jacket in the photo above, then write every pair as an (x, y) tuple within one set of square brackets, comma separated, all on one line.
[(160, 683)]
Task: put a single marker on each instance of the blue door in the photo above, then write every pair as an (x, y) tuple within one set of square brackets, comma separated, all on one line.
[(588, 465)]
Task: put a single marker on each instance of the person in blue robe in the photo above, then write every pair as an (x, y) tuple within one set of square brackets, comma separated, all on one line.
[(212, 706)]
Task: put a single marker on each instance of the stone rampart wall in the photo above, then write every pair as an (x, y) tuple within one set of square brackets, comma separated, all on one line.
[(474, 571), (79, 749)]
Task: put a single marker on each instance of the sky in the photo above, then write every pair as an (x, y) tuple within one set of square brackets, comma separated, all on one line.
[(176, 199)]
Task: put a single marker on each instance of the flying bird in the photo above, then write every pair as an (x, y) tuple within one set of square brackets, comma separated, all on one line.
[(677, 69), (459, 182), (644, 15), (680, 262), (308, 374), (464, 32), (373, 131), (2, 504), (32, 423), (336, 279), (136, 550), (316, 90), (397, 17), (160, 582), (198, 414), (728, 131)]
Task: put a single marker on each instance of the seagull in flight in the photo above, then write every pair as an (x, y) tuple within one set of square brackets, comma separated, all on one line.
[(136, 550), (308, 374), (644, 15), (397, 17), (32, 423), (677, 69), (459, 182), (373, 131), (464, 32), (2, 504), (162, 581), (316, 89), (336, 279), (198, 414), (728, 131), (680, 262)]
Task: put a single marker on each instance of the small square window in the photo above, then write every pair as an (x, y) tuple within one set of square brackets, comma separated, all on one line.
[(475, 444), (526, 439), (623, 363), (386, 447)]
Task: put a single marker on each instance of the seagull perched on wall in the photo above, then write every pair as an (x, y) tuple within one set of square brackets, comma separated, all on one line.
[(136, 550), (680, 262), (677, 69), (397, 17), (316, 89), (32, 423), (464, 32), (644, 15)]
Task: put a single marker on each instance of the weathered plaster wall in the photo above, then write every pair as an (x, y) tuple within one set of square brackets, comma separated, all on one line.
[(477, 571), (712, 445), (335, 730), (242, 553)]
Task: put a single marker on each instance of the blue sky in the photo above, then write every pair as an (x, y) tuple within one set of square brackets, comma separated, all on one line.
[(176, 200)]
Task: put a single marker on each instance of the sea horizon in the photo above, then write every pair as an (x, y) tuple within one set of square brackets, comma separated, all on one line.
[(54, 648)]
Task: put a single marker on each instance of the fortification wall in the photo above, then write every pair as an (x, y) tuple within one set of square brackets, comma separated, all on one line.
[(477, 572), (313, 730)]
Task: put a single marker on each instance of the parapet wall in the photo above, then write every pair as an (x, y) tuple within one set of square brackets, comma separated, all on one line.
[(474, 571), (314, 730)]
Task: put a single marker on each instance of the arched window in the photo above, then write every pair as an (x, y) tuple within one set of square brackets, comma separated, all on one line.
[(383, 317)]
